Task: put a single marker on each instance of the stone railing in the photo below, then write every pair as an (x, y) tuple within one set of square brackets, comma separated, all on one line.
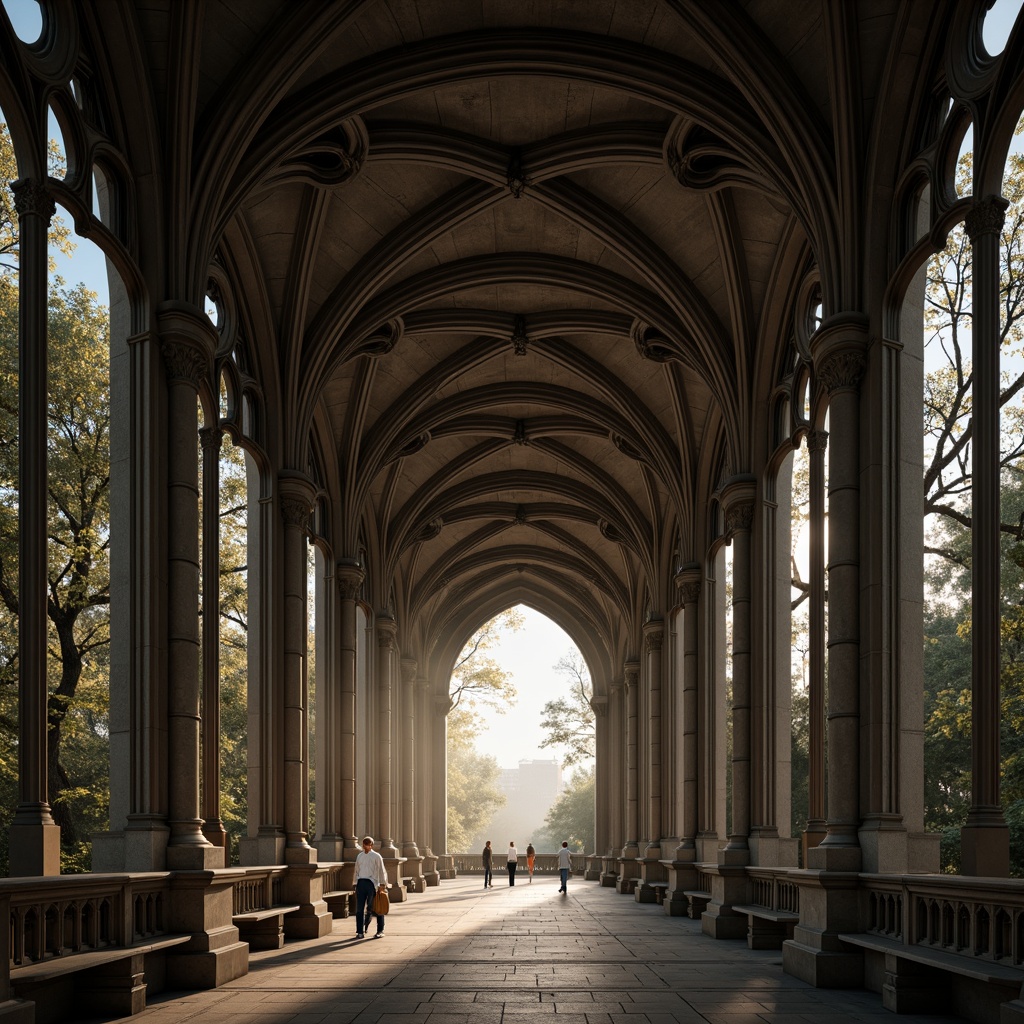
[(545, 864), (57, 917), (771, 888), (258, 889), (972, 917)]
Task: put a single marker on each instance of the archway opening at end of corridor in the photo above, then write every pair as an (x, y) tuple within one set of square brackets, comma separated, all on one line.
[(520, 740)]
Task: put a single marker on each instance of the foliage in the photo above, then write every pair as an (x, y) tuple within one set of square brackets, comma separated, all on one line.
[(569, 720), (477, 678), (473, 794), (571, 819), (948, 431)]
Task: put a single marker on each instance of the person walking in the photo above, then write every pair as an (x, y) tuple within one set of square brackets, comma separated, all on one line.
[(370, 876), (564, 863), (513, 860), (531, 856), (488, 858)]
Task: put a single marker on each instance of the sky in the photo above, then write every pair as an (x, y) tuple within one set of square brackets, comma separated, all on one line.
[(530, 655)]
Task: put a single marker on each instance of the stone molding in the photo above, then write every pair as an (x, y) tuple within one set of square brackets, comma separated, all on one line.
[(654, 637), (387, 632), (986, 217), (842, 371), (295, 512), (32, 199), (631, 674), (350, 580), (817, 440), (739, 516), (210, 438), (184, 362)]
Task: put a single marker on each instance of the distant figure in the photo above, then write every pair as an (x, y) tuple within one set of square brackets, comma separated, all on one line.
[(531, 856), (513, 859), (370, 876), (564, 863), (488, 856)]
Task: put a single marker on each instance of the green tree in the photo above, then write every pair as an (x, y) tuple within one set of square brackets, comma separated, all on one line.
[(473, 794), (477, 680), (571, 819), (569, 720)]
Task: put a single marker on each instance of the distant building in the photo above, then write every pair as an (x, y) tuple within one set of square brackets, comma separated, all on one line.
[(530, 791)]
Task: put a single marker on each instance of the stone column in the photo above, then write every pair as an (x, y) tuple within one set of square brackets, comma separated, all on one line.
[(425, 746), (329, 840), (602, 772), (439, 777), (628, 868), (828, 894), (840, 370), (187, 344), (615, 792), (984, 839), (729, 883), (387, 632), (350, 578), (296, 502), (682, 875), (739, 517), (651, 869), (34, 837), (413, 869), (213, 827), (817, 444)]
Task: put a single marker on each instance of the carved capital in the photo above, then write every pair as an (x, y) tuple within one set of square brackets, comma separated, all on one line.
[(599, 705), (32, 199), (350, 580), (817, 440), (739, 516), (295, 512), (185, 363), (690, 593), (986, 217), (631, 675), (842, 371), (387, 631), (654, 640), (409, 671), (210, 438)]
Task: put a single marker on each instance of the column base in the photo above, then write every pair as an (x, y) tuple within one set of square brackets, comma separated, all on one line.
[(984, 850), (304, 885), (142, 846), (209, 969), (34, 850), (430, 873), (822, 968), (412, 874), (396, 890), (682, 877), (265, 848), (299, 855), (194, 857)]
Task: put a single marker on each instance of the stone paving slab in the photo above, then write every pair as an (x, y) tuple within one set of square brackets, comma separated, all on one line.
[(458, 954)]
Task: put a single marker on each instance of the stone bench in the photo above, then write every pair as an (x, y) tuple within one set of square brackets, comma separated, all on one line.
[(105, 982), (340, 902), (643, 893), (767, 928), (263, 929), (920, 979), (699, 901)]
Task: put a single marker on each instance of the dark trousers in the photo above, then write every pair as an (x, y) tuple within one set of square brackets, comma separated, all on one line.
[(365, 891), (487, 875), (511, 872)]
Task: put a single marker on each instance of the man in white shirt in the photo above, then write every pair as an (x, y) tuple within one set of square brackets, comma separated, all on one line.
[(564, 863), (513, 859), (370, 876)]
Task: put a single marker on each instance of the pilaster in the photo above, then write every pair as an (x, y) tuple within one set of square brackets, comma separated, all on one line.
[(628, 867)]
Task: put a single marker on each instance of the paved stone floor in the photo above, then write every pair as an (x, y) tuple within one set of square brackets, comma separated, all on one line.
[(459, 954)]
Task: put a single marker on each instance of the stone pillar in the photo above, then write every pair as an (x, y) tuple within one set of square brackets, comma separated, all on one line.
[(330, 773), (412, 872), (439, 779), (628, 867), (387, 631), (34, 837), (651, 868), (425, 748), (828, 893), (682, 871), (602, 773), (265, 841), (817, 444), (615, 791), (984, 839), (187, 343), (296, 502), (729, 882), (213, 827), (350, 578)]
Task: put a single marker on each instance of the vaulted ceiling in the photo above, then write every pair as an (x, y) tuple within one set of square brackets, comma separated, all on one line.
[(524, 271)]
